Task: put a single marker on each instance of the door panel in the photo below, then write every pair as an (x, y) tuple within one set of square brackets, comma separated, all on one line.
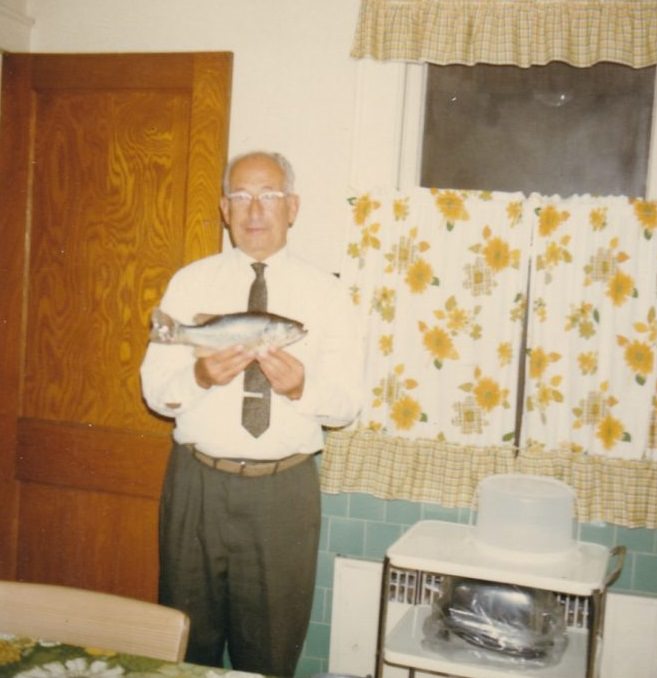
[(115, 181)]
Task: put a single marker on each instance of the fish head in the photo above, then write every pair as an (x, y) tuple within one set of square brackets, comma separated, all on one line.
[(163, 327), (281, 332)]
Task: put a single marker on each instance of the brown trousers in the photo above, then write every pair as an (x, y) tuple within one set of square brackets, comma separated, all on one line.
[(239, 556)]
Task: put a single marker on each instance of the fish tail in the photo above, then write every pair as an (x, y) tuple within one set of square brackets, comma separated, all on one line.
[(164, 328)]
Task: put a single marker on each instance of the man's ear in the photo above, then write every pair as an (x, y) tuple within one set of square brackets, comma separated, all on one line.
[(293, 202), (223, 206)]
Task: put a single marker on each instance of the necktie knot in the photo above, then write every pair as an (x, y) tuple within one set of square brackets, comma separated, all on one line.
[(259, 268)]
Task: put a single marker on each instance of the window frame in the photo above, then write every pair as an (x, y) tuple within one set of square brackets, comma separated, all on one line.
[(389, 122)]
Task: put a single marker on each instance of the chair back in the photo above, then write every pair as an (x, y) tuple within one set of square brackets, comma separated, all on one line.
[(93, 619)]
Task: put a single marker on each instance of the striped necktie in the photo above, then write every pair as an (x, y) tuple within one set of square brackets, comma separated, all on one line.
[(257, 391)]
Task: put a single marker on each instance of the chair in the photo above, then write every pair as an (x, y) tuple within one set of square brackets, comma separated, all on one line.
[(93, 619)]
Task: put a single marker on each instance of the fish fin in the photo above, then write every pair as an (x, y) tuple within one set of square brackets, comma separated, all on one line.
[(163, 327), (203, 318)]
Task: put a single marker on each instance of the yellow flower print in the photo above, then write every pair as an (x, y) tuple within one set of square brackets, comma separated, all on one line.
[(369, 239), (620, 287), (649, 328), (540, 309), (514, 212), (9, 653), (595, 412), (386, 344), (556, 252), (585, 318), (354, 293), (539, 361), (505, 353), (517, 313), (454, 320), (497, 254), (601, 266), (639, 357), (468, 416), (652, 433), (362, 207), (484, 395), (383, 302), (646, 213), (478, 279), (545, 392), (592, 410), (405, 256), (438, 343), (400, 209), (405, 412), (544, 397), (457, 319), (391, 387), (598, 218), (487, 393), (99, 652), (451, 205), (549, 219), (553, 253), (419, 276), (588, 363), (392, 390), (609, 432)]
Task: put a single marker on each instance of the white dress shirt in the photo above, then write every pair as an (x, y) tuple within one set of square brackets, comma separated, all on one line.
[(331, 352)]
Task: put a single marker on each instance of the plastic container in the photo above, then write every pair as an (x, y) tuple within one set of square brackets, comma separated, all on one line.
[(525, 514)]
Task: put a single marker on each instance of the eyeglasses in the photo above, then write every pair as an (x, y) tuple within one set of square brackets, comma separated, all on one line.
[(266, 198)]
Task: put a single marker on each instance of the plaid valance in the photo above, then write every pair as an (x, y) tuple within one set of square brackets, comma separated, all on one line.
[(509, 32)]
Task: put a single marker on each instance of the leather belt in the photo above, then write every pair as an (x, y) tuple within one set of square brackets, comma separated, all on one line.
[(246, 468)]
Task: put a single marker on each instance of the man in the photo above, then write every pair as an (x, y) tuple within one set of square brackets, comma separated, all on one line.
[(240, 511)]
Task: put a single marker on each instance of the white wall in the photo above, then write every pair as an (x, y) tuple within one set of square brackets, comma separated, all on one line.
[(15, 26), (293, 81), (344, 124)]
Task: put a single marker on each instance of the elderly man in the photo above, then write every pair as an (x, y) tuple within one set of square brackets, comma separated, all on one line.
[(240, 510)]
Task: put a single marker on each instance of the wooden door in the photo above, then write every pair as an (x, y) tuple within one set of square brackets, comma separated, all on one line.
[(110, 171)]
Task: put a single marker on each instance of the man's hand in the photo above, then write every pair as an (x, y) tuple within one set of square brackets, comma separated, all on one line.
[(284, 372), (220, 367)]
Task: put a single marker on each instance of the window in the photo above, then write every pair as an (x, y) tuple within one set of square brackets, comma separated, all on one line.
[(547, 129)]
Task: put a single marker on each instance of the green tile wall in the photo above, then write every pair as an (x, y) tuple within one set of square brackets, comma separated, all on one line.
[(362, 526)]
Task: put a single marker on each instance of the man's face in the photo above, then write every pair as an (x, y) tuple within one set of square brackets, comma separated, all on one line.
[(258, 228)]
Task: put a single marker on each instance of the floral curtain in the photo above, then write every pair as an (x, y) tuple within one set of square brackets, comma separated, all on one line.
[(505, 333), (591, 369), (509, 32)]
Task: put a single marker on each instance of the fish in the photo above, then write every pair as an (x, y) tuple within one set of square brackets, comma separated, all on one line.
[(255, 330)]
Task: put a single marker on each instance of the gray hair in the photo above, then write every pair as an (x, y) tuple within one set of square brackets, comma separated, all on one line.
[(280, 160)]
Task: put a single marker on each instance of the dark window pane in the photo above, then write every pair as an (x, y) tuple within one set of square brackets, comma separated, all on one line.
[(549, 129)]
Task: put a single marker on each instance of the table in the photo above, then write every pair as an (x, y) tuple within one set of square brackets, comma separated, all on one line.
[(31, 658)]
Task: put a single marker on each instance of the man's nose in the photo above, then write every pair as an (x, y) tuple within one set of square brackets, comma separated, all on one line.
[(255, 206)]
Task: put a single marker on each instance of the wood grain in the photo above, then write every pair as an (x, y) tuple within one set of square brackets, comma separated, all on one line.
[(110, 170)]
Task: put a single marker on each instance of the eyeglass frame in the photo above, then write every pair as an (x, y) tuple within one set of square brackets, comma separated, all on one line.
[(265, 198)]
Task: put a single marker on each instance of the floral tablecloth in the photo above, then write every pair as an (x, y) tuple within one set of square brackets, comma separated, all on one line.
[(30, 658)]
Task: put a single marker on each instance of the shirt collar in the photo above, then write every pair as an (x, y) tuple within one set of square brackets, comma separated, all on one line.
[(274, 260)]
